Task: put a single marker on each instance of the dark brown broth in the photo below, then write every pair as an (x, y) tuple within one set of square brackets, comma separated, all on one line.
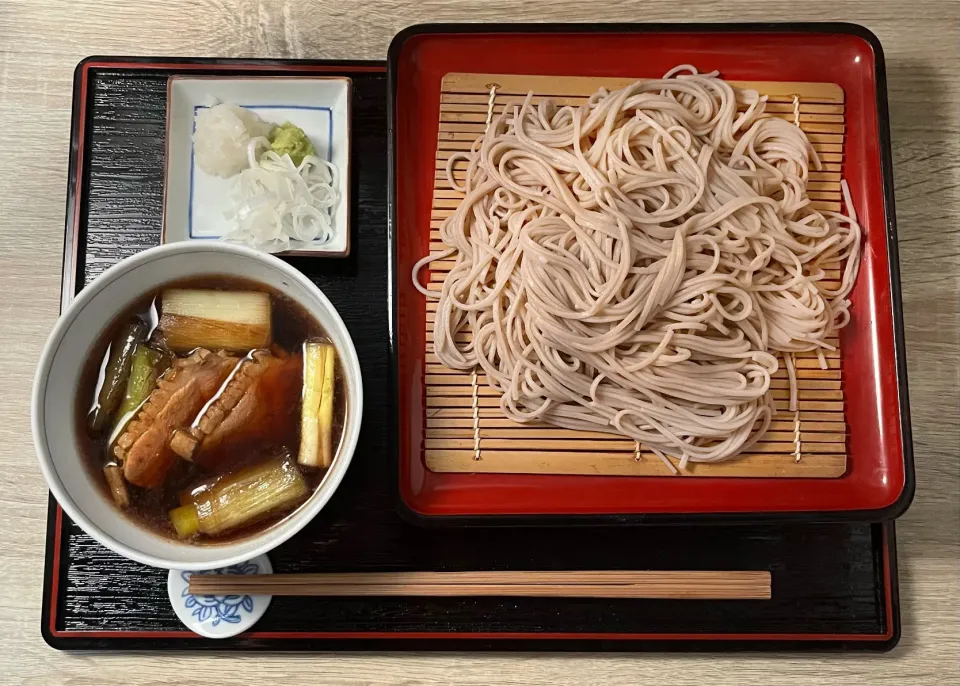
[(291, 325)]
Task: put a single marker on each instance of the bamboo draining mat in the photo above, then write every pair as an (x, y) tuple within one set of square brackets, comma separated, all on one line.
[(465, 429)]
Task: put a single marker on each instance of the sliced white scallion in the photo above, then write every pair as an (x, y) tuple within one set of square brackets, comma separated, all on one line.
[(278, 202)]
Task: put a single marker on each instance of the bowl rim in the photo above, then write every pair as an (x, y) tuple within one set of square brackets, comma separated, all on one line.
[(271, 537)]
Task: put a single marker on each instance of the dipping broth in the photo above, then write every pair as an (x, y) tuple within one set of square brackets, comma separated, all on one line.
[(211, 409)]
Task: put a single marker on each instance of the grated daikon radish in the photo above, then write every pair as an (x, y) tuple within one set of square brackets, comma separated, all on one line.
[(223, 133)]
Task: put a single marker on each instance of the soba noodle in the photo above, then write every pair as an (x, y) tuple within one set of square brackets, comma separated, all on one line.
[(634, 265)]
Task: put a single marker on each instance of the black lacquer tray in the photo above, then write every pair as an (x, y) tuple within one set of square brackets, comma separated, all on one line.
[(834, 585)]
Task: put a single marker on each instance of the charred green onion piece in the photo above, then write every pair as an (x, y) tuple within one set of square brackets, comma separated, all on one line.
[(115, 375), (118, 485), (219, 320), (148, 364), (241, 499), (316, 411)]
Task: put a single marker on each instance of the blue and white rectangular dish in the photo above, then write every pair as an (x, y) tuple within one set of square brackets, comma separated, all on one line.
[(196, 203)]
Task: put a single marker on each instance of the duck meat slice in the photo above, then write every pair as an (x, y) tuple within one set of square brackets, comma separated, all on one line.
[(143, 448), (256, 408), (186, 441)]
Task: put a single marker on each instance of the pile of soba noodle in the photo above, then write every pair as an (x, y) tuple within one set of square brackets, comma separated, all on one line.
[(635, 265)]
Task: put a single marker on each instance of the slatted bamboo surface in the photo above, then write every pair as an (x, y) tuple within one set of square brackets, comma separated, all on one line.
[(465, 429)]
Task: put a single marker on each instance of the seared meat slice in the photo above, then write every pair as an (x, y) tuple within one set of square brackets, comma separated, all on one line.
[(180, 395), (256, 407)]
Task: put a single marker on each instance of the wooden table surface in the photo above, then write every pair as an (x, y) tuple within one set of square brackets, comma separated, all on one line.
[(42, 40)]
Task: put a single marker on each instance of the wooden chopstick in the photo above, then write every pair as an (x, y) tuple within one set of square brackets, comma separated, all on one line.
[(698, 585)]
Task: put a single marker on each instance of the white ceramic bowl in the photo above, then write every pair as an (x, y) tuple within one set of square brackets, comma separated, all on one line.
[(64, 357)]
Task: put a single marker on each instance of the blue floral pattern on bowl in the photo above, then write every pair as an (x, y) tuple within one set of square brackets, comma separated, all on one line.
[(222, 608)]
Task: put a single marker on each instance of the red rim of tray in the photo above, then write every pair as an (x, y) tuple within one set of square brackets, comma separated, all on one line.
[(878, 483)]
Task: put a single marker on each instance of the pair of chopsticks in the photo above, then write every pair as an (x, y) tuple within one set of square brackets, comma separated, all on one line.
[(694, 585)]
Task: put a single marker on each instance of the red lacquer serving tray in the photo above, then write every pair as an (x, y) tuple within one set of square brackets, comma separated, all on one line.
[(878, 483)]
